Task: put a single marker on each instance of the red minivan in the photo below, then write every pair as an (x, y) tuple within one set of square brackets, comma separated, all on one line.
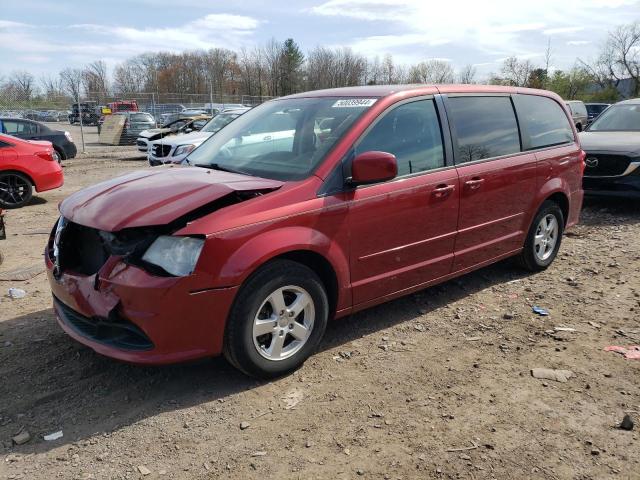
[(312, 207)]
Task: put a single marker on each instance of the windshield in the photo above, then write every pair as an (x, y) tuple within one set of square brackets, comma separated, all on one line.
[(219, 121), (282, 139), (141, 117), (625, 117)]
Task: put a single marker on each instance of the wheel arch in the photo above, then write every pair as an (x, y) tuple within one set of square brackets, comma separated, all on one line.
[(306, 246), (21, 172)]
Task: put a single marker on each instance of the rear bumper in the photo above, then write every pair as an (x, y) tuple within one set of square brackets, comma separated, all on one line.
[(51, 179), (70, 150), (180, 322)]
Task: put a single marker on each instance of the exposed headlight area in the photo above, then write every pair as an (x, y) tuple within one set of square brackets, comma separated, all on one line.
[(85, 250), (183, 150), (175, 255)]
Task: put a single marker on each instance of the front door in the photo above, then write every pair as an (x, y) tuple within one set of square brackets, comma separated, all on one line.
[(403, 230)]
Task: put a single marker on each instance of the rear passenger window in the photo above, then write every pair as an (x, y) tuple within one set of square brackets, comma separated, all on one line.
[(485, 127), (412, 133), (544, 123)]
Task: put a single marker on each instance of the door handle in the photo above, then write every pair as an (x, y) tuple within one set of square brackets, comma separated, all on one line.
[(474, 183), (443, 190)]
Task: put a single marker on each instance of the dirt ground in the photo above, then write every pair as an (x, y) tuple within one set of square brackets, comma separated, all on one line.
[(434, 385)]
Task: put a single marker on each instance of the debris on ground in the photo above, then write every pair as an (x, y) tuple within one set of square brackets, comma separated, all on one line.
[(627, 423), (540, 311), (16, 293), (561, 376), (21, 438), (53, 436), (244, 425), (631, 352), (22, 274), (144, 471)]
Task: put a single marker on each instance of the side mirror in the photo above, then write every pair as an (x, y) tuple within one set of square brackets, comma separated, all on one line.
[(373, 167)]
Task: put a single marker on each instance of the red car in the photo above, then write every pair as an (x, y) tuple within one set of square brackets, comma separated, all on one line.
[(312, 207), (26, 165)]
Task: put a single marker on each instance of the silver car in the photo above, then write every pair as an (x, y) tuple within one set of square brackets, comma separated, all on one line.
[(579, 114)]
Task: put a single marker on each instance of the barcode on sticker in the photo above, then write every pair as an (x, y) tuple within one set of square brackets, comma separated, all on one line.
[(354, 102)]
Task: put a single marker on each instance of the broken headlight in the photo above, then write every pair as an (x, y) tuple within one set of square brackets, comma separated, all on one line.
[(175, 255)]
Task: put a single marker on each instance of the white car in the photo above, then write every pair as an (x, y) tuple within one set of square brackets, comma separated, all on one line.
[(175, 149)]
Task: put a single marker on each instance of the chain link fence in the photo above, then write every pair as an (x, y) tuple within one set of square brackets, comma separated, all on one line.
[(59, 108)]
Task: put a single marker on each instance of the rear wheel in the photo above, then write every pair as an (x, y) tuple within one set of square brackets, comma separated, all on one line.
[(58, 155), (15, 190), (544, 238), (277, 320)]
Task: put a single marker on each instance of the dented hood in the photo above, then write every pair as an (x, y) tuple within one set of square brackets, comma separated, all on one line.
[(155, 197)]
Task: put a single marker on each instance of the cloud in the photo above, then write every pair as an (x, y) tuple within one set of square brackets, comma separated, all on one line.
[(578, 42), (499, 28), (87, 41)]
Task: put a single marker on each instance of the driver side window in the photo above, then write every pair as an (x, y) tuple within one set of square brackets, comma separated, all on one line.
[(412, 133)]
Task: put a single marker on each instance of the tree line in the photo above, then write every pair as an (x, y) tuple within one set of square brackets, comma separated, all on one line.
[(281, 68)]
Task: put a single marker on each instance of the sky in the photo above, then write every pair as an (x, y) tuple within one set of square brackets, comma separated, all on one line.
[(45, 36)]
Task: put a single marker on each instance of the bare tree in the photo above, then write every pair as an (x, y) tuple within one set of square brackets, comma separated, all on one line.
[(432, 71), (621, 55), (95, 78), (51, 85), (516, 72), (71, 79), (22, 84), (467, 74)]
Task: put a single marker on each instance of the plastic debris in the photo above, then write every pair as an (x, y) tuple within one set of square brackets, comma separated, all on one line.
[(540, 311), (17, 293), (547, 373), (53, 436), (631, 352)]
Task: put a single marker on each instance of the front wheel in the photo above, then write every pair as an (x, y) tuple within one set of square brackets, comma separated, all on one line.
[(277, 320), (544, 238), (15, 190)]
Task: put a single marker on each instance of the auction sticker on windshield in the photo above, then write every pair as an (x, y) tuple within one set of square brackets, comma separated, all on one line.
[(354, 102)]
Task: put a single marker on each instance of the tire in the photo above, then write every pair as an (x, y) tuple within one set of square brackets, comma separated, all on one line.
[(16, 190), (61, 155), (257, 355), (539, 252)]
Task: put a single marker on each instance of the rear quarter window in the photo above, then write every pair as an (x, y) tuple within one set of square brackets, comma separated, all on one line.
[(485, 127), (543, 121)]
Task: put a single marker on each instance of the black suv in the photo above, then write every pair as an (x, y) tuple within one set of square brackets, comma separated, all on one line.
[(31, 130), (612, 143)]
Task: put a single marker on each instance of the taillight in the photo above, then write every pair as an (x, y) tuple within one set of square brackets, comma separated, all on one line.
[(45, 155), (583, 161)]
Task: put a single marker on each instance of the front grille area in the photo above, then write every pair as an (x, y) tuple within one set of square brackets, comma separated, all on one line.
[(77, 248), (606, 165), (160, 150), (114, 331)]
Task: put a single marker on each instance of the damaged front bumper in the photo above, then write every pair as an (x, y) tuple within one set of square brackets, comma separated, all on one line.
[(123, 311)]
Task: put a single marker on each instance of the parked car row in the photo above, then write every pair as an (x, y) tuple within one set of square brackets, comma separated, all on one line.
[(62, 141), (173, 150), (25, 166)]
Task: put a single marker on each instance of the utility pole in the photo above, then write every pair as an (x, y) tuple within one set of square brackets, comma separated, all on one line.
[(80, 117)]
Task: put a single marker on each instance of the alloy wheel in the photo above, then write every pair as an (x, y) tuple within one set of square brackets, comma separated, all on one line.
[(283, 323), (546, 237), (14, 189)]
